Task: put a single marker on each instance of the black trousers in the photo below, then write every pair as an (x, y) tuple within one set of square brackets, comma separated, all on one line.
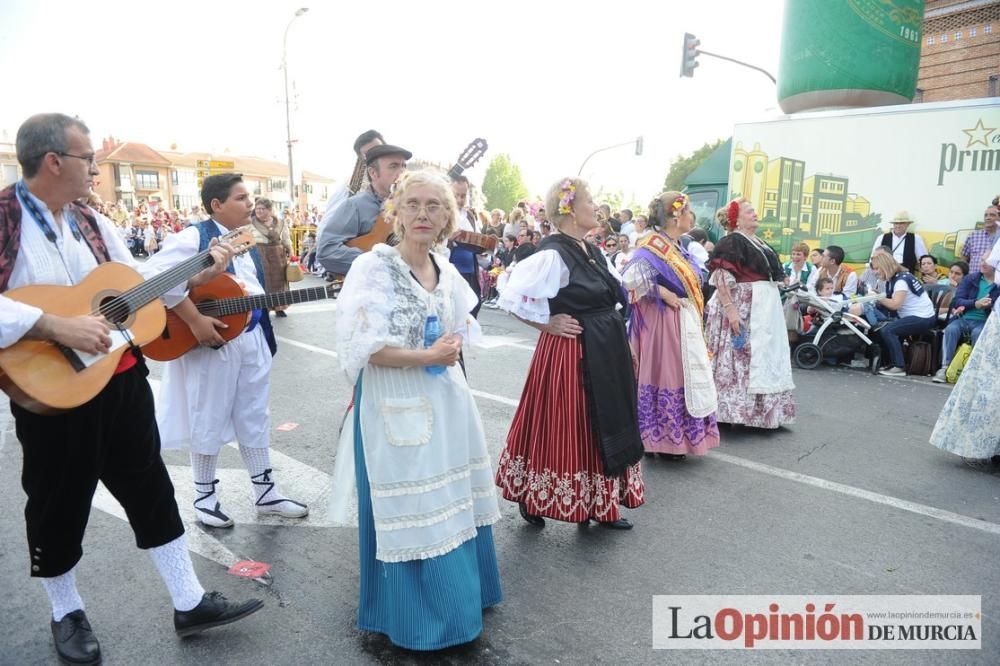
[(473, 280), (112, 439)]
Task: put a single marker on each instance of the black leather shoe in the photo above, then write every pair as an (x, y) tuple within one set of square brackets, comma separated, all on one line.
[(537, 521), (213, 611), (620, 524), (280, 313), (75, 641), (675, 457)]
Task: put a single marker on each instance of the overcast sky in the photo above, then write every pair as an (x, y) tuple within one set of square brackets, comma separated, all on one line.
[(546, 82)]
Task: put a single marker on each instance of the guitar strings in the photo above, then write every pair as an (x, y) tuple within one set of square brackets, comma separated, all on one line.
[(121, 306)]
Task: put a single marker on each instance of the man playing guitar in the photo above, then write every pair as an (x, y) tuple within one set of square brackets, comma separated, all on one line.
[(48, 238), (358, 180), (466, 260), (356, 216)]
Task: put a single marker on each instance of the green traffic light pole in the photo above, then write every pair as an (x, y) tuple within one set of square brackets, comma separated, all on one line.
[(739, 62), (636, 142)]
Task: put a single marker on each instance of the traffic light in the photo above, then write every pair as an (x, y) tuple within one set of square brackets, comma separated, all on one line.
[(638, 146), (689, 58)]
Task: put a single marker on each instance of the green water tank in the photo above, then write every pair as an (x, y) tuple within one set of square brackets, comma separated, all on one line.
[(839, 54)]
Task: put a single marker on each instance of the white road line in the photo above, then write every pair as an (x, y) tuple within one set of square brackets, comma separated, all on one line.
[(303, 345), (496, 398), (851, 491), (832, 486)]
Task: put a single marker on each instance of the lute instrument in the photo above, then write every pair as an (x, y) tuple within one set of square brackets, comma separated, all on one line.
[(45, 377), (223, 298)]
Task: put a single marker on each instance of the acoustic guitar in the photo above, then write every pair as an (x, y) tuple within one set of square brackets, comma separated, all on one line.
[(224, 299), (45, 377), (381, 231)]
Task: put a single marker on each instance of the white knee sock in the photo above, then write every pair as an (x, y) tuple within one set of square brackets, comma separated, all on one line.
[(174, 564), (258, 462), (203, 471), (62, 594)]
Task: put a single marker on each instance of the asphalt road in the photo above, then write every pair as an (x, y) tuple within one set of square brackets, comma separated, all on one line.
[(849, 500)]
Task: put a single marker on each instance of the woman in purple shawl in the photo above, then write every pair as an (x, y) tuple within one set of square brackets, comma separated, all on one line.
[(677, 400)]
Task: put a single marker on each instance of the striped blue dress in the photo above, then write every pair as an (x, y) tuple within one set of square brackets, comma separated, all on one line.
[(422, 604)]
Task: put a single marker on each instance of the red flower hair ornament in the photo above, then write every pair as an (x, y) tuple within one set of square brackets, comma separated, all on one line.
[(732, 214)]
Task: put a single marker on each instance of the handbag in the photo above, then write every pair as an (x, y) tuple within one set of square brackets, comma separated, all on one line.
[(919, 359), (293, 272), (957, 364)]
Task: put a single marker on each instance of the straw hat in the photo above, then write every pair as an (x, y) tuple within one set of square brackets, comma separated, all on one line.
[(902, 217)]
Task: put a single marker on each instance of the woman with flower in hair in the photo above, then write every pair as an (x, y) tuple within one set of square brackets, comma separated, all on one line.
[(573, 449), (677, 399), (412, 467), (746, 327)]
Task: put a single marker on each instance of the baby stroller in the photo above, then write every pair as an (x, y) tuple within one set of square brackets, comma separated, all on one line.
[(840, 335)]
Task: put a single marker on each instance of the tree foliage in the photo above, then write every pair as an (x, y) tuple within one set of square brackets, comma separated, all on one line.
[(503, 184), (682, 167)]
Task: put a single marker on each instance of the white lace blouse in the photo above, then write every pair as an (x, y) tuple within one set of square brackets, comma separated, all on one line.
[(425, 451)]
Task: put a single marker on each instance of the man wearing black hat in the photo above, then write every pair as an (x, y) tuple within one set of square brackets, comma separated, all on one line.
[(356, 216)]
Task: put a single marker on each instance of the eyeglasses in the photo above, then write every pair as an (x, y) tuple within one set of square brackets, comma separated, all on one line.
[(89, 159), (412, 207), (611, 245)]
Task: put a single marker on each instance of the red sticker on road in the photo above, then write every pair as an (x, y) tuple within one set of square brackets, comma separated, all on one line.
[(249, 569), (287, 427)]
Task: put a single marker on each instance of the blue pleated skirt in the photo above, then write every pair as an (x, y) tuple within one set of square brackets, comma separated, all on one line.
[(422, 604)]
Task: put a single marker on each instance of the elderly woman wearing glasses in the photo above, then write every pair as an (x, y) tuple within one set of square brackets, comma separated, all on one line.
[(414, 456), (573, 450)]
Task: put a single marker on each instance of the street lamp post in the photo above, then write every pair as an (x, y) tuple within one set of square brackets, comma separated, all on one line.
[(288, 113), (638, 151)]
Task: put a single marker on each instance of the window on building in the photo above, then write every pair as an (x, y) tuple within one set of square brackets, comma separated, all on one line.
[(183, 201), (128, 200), (276, 184), (147, 180), (255, 187), (987, 29), (958, 36), (173, 178), (930, 41), (124, 178), (944, 38), (9, 174), (972, 31)]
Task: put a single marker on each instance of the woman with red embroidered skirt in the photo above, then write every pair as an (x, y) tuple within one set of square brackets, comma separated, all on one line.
[(677, 398), (745, 326), (573, 450)]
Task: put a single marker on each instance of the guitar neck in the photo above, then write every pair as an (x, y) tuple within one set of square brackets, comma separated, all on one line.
[(153, 288), (455, 171), (241, 304)]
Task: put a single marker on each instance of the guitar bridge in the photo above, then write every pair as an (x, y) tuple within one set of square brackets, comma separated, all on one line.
[(74, 359)]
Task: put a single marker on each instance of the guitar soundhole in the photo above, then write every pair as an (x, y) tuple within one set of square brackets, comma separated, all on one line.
[(115, 309)]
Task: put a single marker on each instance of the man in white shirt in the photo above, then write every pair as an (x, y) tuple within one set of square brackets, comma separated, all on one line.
[(906, 246), (49, 239)]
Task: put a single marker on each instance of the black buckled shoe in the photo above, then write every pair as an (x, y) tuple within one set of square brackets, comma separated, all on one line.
[(531, 519), (74, 639), (213, 611)]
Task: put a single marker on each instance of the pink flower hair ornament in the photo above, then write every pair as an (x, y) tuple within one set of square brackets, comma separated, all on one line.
[(566, 196)]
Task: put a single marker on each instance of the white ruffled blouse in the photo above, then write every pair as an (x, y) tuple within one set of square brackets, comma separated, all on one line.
[(529, 285)]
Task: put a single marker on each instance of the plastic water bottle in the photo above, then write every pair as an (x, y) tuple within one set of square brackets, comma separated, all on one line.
[(432, 331)]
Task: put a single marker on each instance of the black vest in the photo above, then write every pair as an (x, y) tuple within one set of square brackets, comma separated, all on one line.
[(909, 249)]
